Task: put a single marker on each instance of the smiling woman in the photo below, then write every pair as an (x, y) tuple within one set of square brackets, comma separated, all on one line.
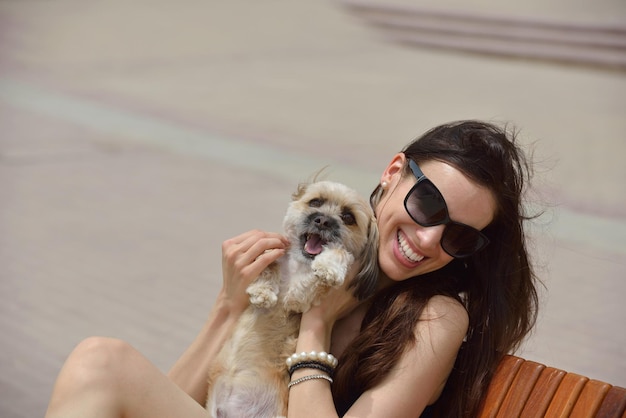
[(454, 293), (470, 177)]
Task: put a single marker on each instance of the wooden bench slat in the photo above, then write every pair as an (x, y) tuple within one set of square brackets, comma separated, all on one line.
[(614, 404), (500, 384), (590, 399), (566, 396), (542, 393), (526, 389), (520, 389)]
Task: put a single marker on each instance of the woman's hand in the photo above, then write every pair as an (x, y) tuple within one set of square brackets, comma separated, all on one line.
[(244, 257), (336, 304)]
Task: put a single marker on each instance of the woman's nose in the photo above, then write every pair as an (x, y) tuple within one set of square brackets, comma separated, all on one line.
[(429, 237)]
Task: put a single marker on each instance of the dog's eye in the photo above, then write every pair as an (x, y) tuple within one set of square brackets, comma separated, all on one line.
[(316, 203), (348, 218)]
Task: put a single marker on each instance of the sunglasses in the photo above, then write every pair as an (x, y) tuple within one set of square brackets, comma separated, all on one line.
[(426, 206)]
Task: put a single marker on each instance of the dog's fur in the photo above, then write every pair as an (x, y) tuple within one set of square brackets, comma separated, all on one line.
[(334, 238)]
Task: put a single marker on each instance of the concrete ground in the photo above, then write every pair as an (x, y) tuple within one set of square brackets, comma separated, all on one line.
[(137, 136)]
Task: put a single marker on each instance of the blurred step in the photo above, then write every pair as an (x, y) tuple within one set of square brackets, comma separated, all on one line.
[(595, 44)]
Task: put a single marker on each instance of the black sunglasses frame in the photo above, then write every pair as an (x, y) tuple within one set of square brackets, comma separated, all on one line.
[(481, 240)]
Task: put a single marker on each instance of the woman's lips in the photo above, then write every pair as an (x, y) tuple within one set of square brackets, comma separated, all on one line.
[(409, 257)]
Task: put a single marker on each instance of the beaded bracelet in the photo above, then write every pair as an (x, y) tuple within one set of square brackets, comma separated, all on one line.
[(323, 357), (311, 365), (310, 377)]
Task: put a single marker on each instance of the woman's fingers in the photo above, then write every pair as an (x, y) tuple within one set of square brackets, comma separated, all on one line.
[(247, 247), (256, 234), (245, 256), (250, 253)]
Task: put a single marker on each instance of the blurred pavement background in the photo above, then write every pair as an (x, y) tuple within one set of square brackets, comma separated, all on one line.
[(138, 135)]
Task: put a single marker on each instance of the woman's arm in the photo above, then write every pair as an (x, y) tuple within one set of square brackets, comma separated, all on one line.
[(415, 382), (313, 398), (243, 259)]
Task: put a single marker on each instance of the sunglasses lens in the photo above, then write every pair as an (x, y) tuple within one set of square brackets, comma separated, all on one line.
[(461, 240), (426, 205)]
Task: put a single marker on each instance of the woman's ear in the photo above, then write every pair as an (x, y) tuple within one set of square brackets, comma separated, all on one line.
[(393, 172)]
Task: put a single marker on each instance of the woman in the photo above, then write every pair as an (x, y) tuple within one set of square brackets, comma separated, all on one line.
[(456, 293)]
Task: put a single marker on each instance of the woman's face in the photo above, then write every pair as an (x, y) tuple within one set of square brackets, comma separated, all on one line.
[(408, 249)]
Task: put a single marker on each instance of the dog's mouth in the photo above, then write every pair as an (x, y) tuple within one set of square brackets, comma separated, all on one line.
[(313, 245)]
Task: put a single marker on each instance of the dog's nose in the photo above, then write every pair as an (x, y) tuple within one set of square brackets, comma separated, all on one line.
[(324, 222)]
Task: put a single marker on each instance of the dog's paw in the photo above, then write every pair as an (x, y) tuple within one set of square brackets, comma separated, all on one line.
[(331, 267), (292, 305), (262, 295), (329, 276)]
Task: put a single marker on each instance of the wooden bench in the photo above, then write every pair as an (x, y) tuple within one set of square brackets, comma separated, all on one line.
[(522, 388)]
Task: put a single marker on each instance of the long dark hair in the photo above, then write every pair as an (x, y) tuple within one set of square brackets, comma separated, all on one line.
[(497, 285)]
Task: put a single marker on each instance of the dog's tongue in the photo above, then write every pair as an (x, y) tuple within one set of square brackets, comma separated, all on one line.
[(313, 245)]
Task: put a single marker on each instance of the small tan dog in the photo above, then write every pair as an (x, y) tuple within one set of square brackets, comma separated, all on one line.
[(334, 239)]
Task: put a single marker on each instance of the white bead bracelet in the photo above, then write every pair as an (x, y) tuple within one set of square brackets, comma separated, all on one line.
[(322, 357), (310, 377)]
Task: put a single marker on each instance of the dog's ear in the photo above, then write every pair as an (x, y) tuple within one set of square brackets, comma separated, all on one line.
[(299, 192), (366, 280)]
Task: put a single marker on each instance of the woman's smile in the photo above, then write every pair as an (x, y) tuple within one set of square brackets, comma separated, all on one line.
[(405, 253)]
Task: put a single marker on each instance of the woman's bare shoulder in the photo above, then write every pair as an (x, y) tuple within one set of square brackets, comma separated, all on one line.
[(446, 314)]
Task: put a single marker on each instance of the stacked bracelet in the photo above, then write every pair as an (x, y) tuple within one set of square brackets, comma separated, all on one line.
[(321, 357), (311, 365), (311, 377), (321, 361)]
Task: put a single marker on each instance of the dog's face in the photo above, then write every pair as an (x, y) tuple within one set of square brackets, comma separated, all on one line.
[(326, 214)]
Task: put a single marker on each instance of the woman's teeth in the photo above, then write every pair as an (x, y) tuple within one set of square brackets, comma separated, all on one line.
[(407, 251)]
